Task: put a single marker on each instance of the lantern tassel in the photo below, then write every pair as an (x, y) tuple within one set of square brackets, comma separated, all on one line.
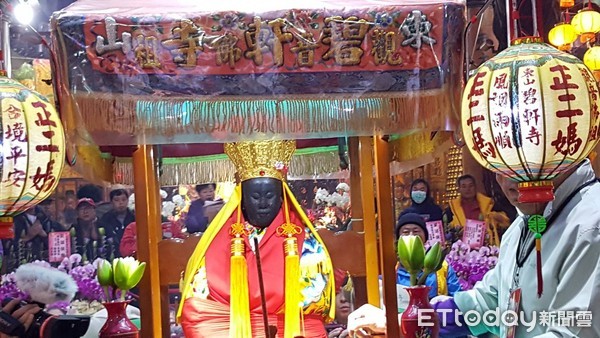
[(540, 278)]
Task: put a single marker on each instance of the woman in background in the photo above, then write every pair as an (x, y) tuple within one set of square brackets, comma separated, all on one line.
[(422, 202)]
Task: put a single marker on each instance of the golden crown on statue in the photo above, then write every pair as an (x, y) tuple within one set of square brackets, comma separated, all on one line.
[(261, 158)]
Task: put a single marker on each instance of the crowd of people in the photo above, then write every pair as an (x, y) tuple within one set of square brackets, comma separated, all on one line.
[(97, 228), (108, 229)]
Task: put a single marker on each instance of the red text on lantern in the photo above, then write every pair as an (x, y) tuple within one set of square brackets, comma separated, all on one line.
[(529, 96), (531, 114), (534, 136), (47, 147), (476, 89), (529, 76), (503, 140), (502, 99), (500, 82), (476, 118), (501, 120), (15, 153), (16, 133), (43, 181), (567, 144), (45, 119), (13, 112), (484, 148), (14, 177)]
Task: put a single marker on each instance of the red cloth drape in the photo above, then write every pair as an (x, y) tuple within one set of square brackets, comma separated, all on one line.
[(272, 261), (208, 319)]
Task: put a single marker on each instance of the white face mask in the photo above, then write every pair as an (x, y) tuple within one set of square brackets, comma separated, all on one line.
[(418, 196)]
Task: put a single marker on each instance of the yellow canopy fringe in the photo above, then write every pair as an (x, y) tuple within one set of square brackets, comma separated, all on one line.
[(226, 117), (222, 170)]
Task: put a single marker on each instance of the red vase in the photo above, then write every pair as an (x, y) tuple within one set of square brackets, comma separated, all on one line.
[(428, 326), (117, 323)]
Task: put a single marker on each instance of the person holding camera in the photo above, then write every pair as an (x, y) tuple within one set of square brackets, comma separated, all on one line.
[(15, 319), (31, 233)]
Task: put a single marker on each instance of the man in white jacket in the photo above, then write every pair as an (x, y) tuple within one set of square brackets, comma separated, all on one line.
[(570, 303)]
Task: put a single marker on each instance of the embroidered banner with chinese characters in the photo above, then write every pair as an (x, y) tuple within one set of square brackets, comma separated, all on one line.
[(229, 70), (235, 43)]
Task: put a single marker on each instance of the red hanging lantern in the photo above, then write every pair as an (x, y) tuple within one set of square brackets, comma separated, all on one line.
[(33, 151)]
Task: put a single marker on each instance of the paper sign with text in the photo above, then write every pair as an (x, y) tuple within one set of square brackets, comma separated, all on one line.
[(474, 233), (436, 233), (59, 246)]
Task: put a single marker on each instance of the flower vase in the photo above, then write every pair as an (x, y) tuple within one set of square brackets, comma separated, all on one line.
[(117, 323), (409, 321)]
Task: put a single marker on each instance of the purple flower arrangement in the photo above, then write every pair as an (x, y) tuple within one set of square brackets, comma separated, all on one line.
[(8, 288), (469, 264), (84, 274), (8, 284)]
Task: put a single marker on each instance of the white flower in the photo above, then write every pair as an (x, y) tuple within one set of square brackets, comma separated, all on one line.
[(45, 284), (179, 201), (321, 196), (8, 278), (343, 186), (334, 199), (168, 208), (97, 262), (163, 194), (345, 201), (131, 202)]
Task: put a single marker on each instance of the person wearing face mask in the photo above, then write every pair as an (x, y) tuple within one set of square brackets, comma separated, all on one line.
[(422, 202), (570, 252)]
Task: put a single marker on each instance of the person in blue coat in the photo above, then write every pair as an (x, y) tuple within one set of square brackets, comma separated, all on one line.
[(444, 282), (422, 202)]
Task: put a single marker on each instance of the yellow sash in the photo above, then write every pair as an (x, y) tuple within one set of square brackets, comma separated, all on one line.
[(197, 258), (442, 277)]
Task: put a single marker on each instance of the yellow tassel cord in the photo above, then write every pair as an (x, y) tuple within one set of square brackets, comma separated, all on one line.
[(196, 261), (239, 325), (293, 296)]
